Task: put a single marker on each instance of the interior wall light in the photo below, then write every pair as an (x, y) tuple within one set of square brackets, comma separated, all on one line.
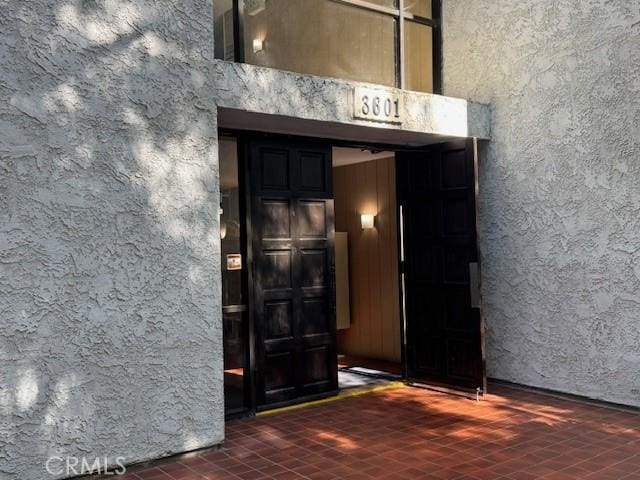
[(258, 45), (223, 223), (367, 220)]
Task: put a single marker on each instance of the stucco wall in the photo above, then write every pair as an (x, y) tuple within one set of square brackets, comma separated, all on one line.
[(110, 332), (560, 186)]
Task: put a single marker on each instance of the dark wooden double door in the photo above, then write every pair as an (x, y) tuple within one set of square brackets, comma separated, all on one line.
[(444, 332), (292, 235), (291, 231)]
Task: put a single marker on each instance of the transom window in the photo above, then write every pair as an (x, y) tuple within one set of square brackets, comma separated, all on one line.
[(388, 42)]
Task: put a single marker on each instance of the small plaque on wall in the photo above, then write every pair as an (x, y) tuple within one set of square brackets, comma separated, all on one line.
[(234, 261), (378, 105)]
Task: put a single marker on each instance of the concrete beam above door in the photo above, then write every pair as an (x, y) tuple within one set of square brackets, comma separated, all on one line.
[(265, 99)]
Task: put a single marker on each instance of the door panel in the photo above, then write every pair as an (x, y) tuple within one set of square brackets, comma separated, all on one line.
[(437, 192), (292, 224)]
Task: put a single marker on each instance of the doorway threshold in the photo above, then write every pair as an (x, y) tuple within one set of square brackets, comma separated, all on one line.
[(348, 381), (346, 393), (371, 373)]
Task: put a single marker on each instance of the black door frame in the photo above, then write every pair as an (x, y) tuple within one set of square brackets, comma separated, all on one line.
[(243, 138), (246, 282)]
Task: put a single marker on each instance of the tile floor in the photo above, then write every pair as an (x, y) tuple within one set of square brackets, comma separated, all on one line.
[(412, 433)]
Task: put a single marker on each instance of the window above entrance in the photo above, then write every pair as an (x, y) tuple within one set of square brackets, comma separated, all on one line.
[(387, 42)]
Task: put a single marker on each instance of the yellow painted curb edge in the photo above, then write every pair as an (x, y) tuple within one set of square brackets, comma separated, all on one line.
[(340, 396)]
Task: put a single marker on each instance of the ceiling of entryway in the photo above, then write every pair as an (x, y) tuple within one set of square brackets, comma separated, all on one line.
[(347, 156), (374, 134)]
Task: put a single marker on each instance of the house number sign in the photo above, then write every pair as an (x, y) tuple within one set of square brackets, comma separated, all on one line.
[(378, 105)]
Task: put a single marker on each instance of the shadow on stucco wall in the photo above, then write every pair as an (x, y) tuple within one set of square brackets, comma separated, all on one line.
[(110, 337)]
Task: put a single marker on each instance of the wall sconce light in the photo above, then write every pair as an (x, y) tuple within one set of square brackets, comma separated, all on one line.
[(223, 224), (258, 45), (367, 220)]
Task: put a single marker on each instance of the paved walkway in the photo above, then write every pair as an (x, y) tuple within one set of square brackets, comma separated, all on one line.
[(411, 433)]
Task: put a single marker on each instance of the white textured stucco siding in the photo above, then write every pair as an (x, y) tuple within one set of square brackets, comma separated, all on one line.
[(110, 324), (560, 199)]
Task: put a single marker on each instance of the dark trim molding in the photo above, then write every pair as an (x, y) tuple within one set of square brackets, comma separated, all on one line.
[(438, 87)]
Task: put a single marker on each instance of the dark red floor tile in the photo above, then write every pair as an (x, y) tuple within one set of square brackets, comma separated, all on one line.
[(413, 434)]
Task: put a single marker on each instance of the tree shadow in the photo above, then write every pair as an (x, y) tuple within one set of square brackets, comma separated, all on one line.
[(109, 248)]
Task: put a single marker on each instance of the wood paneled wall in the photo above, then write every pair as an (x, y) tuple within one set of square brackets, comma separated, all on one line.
[(369, 187)]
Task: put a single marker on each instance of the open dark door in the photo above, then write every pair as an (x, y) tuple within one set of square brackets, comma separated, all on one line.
[(444, 331), (292, 239)]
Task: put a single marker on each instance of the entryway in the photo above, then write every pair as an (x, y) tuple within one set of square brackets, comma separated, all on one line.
[(369, 336), (359, 250)]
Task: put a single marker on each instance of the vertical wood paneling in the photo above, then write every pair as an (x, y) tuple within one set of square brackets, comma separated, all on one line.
[(374, 292), (369, 187)]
